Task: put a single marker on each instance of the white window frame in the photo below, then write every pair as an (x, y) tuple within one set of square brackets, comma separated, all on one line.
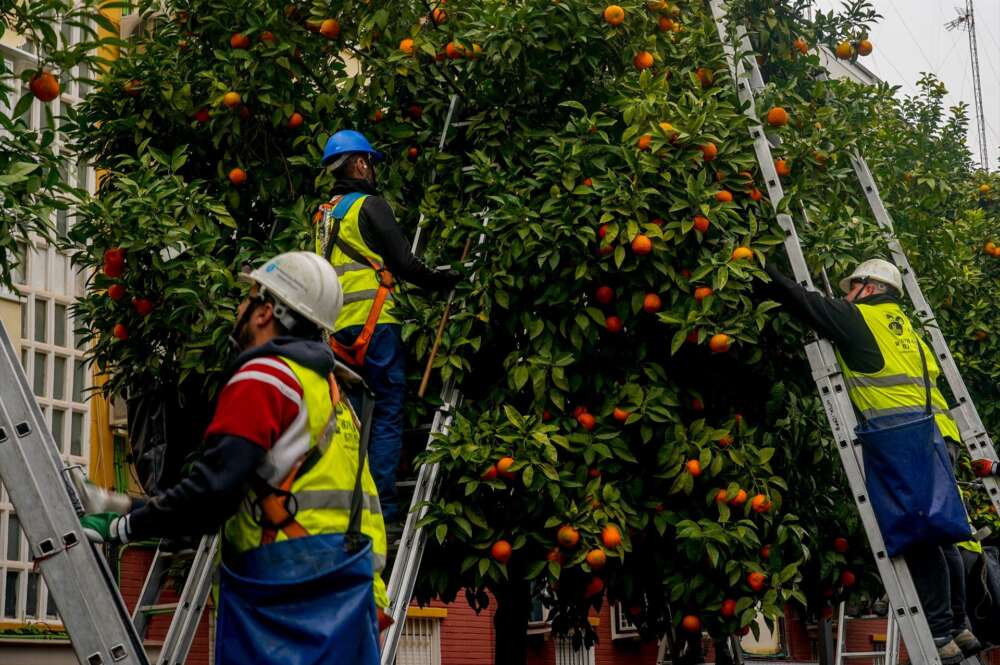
[(420, 642), (47, 280), (567, 655)]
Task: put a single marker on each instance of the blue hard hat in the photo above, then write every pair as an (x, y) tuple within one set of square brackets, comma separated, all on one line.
[(346, 142)]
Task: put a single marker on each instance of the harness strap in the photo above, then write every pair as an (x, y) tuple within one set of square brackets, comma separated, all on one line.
[(354, 353)]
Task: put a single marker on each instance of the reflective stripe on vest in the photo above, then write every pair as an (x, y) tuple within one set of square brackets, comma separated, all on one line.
[(898, 388), (358, 281), (323, 492)]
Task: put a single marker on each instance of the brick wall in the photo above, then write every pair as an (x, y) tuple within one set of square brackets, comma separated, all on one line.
[(133, 565)]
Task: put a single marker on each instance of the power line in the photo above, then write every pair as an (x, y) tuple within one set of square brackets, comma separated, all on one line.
[(913, 37)]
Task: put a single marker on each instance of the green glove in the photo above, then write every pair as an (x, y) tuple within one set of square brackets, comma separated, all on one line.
[(105, 527)]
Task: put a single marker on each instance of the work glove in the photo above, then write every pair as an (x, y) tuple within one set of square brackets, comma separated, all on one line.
[(99, 500), (984, 467), (106, 527)]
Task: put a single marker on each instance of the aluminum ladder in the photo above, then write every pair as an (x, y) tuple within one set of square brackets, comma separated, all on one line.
[(906, 610), (888, 657), (49, 508), (411, 548)]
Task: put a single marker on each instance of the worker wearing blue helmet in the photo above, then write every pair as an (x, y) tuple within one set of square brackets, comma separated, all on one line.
[(357, 232)]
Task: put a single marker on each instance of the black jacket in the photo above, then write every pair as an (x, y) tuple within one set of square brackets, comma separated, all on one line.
[(221, 476), (839, 321), (380, 232)]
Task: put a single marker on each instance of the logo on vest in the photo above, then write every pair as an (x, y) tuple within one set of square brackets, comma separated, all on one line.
[(898, 328)]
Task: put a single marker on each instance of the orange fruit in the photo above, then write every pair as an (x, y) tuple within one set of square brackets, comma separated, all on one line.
[(990, 247), (702, 292), (848, 579), (614, 15), (719, 343), (643, 60), (439, 15), (239, 40), (709, 151), (611, 537), (594, 587), (669, 131), (490, 473), (593, 473), (237, 176), (133, 88), (726, 441), (840, 544), (604, 295), (454, 50), (665, 24), (501, 551), (642, 245), (412, 152), (116, 291), (588, 182), (724, 196), (120, 332), (693, 467), (728, 608), (295, 121), (613, 324), (697, 405), (865, 47), (644, 141), (721, 496), (268, 38), (739, 499), (782, 167), (700, 224), (620, 415), (756, 581), (330, 28), (845, 50), (756, 194), (596, 558), (503, 467), (984, 189), (651, 303), (801, 45), (705, 76), (765, 552), (44, 86), (777, 117), (407, 46), (555, 554), (231, 99), (741, 253), (587, 421), (691, 623), (760, 504), (567, 536)]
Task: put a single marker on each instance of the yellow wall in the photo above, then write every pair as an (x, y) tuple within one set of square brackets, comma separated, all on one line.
[(10, 316), (102, 451)]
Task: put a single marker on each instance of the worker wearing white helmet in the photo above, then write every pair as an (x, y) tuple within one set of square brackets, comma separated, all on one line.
[(280, 474), (883, 360)]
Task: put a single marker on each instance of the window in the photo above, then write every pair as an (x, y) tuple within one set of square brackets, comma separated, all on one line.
[(567, 655), (47, 284), (420, 643)]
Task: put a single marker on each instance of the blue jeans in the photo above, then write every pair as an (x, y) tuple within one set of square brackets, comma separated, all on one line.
[(385, 373)]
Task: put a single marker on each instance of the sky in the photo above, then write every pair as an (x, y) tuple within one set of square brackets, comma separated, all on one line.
[(911, 38)]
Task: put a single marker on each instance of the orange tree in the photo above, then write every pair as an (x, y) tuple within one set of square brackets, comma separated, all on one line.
[(639, 423), (32, 187)]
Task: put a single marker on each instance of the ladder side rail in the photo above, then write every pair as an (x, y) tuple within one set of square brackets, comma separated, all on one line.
[(826, 371), (190, 605), (150, 592), (418, 236), (89, 605), (411, 549), (974, 434)]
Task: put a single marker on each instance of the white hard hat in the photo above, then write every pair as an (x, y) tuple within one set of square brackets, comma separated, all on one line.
[(874, 270), (304, 282)]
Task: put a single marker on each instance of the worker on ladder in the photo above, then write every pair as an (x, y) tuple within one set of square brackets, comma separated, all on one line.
[(303, 541), (357, 232), (891, 381)]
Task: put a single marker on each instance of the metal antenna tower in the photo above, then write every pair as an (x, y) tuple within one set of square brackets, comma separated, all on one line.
[(967, 21)]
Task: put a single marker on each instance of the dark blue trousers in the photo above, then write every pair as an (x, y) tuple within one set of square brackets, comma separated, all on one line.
[(385, 373)]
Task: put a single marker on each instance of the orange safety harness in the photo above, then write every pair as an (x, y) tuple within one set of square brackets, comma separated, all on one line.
[(354, 354)]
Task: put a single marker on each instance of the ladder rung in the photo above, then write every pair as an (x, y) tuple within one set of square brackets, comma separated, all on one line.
[(161, 608), (406, 483)]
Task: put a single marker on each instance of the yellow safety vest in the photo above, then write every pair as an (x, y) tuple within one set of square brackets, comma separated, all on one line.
[(358, 280), (323, 492), (898, 388)]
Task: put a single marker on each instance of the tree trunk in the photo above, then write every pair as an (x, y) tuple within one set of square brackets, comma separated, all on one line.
[(511, 622)]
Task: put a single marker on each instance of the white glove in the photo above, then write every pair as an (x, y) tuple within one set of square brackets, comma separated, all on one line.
[(99, 500)]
